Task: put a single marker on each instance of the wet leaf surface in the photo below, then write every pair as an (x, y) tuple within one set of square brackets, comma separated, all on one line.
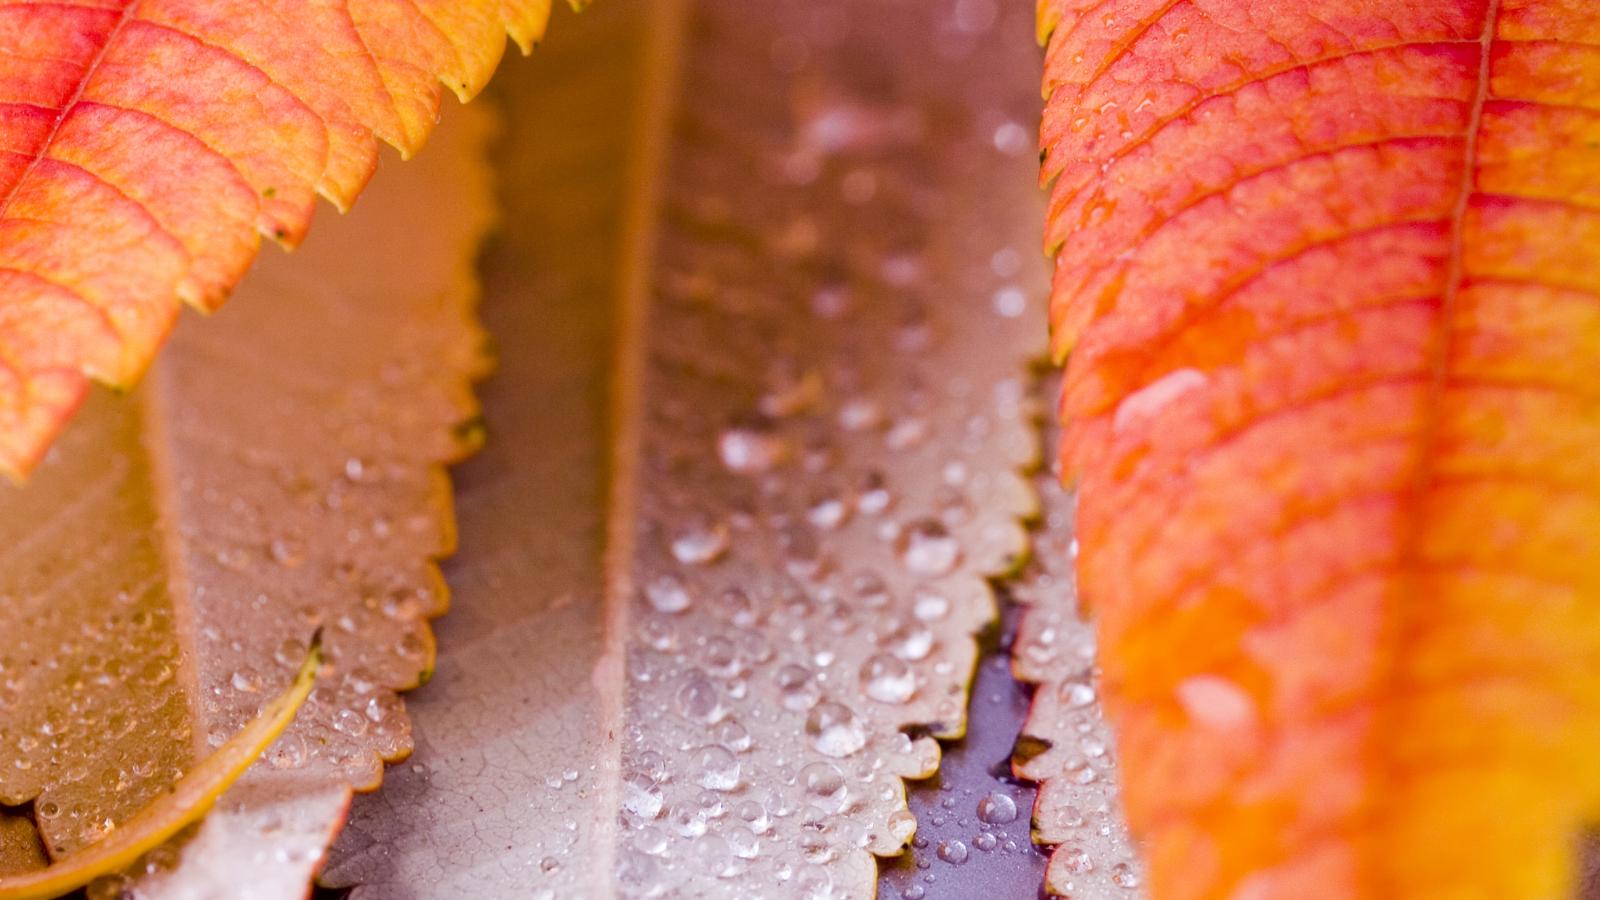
[(1066, 744), (805, 367), (505, 773), (279, 471), (826, 472), (180, 806)]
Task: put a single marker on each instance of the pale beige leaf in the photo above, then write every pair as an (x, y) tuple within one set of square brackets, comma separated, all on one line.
[(507, 733), (1067, 745), (279, 470), (824, 468), (781, 306)]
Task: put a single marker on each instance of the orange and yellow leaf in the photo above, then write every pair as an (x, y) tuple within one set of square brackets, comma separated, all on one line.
[(147, 145), (1327, 289)]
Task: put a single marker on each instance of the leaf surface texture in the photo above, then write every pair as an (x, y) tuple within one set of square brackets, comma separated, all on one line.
[(778, 317), (1325, 288), (279, 471), (149, 144)]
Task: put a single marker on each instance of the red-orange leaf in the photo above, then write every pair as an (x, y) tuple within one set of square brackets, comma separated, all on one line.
[(1327, 275), (146, 145)]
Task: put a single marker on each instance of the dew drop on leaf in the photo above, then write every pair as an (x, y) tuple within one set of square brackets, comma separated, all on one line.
[(1076, 695), (902, 825), (668, 595), (749, 452), (716, 768), (927, 548), (700, 701), (887, 679), (796, 688), (699, 546), (833, 730)]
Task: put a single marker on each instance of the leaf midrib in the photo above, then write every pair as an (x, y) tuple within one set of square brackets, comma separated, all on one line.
[(1411, 616)]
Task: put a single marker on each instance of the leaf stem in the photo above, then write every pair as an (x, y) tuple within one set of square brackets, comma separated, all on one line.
[(182, 804)]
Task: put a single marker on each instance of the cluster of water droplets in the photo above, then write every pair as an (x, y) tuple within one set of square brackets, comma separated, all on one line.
[(1068, 746), (828, 477), (76, 686), (340, 543)]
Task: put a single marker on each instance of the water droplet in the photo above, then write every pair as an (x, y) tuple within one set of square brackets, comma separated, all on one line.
[(997, 808), (290, 653), (1076, 694), (688, 818), (289, 752), (1010, 301), (639, 874), (651, 840), (1216, 702), (906, 434), (823, 783), (729, 733), (914, 892), (287, 553), (832, 730), (744, 842), (749, 452), (667, 594), (953, 852), (927, 548), (828, 514), (699, 546), (659, 632), (1075, 860), (717, 769), (713, 856), (641, 796), (246, 681), (755, 814), (738, 607), (902, 825), (985, 841), (860, 414), (722, 656), (887, 679), (348, 721), (796, 688), (1123, 875), (910, 641), (874, 501), (549, 865), (929, 606), (700, 701), (830, 302)]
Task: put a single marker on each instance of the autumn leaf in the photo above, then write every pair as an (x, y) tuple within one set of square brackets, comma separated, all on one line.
[(1324, 283), (151, 143), (824, 469), (279, 471)]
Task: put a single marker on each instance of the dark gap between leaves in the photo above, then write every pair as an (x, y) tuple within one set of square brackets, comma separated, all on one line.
[(972, 768)]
